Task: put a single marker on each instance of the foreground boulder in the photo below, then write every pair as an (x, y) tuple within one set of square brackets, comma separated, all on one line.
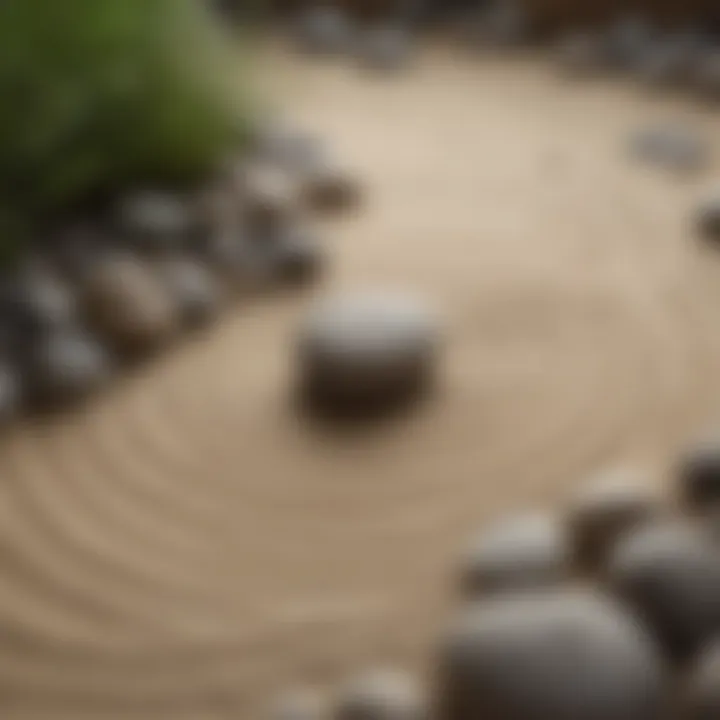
[(129, 306), (367, 352), (381, 695), (669, 573), (564, 655), (524, 551), (604, 509)]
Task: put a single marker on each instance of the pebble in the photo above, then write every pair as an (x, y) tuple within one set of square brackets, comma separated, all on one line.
[(368, 351), (563, 654), (329, 190), (699, 475), (380, 694), (527, 551), (65, 366), (701, 699), (708, 218), (604, 509), (128, 305), (669, 573), (324, 30)]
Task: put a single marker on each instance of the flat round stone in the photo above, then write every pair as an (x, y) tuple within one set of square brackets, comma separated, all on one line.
[(367, 351), (669, 573), (526, 551), (560, 654), (606, 507), (380, 695)]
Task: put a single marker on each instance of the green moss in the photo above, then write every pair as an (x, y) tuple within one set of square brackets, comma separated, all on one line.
[(97, 94)]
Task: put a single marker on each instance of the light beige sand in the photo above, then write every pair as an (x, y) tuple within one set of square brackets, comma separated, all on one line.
[(186, 545)]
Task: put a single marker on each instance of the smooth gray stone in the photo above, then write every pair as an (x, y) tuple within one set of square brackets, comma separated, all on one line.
[(524, 551), (324, 30), (67, 365), (604, 509), (708, 218), (672, 146), (563, 654), (367, 350), (699, 474), (381, 695), (195, 290), (669, 573), (385, 48), (155, 221), (701, 699), (581, 54)]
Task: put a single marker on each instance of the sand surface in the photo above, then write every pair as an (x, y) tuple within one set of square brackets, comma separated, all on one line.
[(186, 545)]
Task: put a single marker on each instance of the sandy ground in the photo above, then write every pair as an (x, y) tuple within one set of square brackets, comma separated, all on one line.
[(186, 545)]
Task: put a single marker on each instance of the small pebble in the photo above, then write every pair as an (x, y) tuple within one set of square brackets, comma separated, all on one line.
[(559, 654), (196, 292), (699, 475), (672, 146), (154, 221), (581, 54), (708, 218), (385, 48), (669, 574), (527, 551), (324, 30), (329, 190), (128, 305), (367, 352), (381, 695), (606, 508), (65, 366)]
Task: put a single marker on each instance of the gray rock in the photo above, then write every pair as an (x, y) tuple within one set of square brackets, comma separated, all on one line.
[(699, 474), (565, 655), (65, 366), (581, 54), (268, 198), (385, 48), (707, 74), (669, 573), (708, 218), (603, 510), (527, 551), (381, 695), (367, 351), (128, 305), (627, 43), (669, 62), (194, 289), (299, 257), (154, 221), (701, 701), (324, 30), (672, 146), (11, 392), (329, 189), (497, 24)]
